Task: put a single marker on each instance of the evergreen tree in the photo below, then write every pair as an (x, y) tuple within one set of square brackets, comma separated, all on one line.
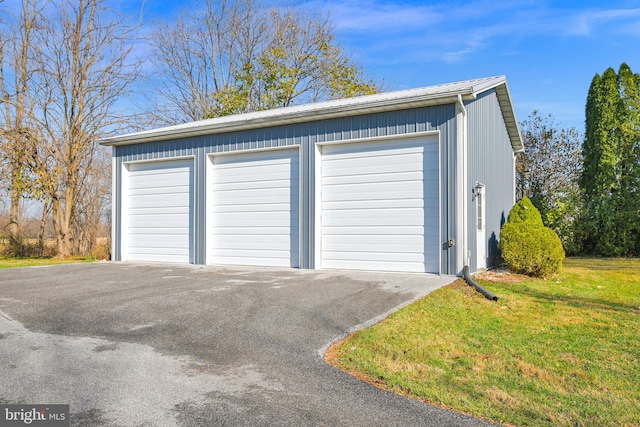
[(628, 197), (610, 176)]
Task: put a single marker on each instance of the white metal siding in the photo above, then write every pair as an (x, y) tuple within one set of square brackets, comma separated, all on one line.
[(160, 216), (380, 206), (255, 209)]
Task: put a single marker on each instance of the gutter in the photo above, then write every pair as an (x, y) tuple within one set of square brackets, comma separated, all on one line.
[(287, 115), (462, 254), (449, 93), (461, 104)]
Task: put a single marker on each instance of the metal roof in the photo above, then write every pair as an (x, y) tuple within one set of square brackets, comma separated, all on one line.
[(411, 98)]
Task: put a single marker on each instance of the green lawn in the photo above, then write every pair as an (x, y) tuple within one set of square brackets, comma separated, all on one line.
[(34, 262), (558, 352)]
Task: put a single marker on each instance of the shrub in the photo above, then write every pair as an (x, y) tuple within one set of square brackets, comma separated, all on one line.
[(525, 212), (21, 247), (527, 246)]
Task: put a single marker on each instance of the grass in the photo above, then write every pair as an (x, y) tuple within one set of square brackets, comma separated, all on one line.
[(558, 352), (39, 261)]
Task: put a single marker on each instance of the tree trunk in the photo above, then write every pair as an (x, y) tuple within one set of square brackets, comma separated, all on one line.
[(43, 224), (61, 230), (14, 213)]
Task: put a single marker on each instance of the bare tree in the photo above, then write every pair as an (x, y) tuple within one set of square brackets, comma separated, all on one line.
[(83, 68), (16, 88), (548, 172), (551, 163), (199, 55), (93, 202), (235, 56), (302, 61)]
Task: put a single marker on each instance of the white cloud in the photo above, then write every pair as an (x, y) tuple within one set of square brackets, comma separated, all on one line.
[(589, 22), (373, 15), (453, 31), (432, 32), (458, 56)]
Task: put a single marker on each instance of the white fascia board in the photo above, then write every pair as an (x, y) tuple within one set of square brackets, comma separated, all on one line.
[(271, 118), (499, 83), (388, 101), (509, 115)]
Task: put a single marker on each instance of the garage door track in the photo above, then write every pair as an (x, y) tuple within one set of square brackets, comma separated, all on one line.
[(129, 344)]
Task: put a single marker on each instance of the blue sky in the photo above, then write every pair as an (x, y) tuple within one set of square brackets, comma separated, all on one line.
[(549, 50)]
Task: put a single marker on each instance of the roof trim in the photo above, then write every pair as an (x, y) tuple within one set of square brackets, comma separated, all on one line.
[(509, 114), (388, 101)]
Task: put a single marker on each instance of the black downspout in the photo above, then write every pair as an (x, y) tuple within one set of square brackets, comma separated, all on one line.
[(471, 282)]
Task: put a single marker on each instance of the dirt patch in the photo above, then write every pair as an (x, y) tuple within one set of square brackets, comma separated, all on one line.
[(500, 276)]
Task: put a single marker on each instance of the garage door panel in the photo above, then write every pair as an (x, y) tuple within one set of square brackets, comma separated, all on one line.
[(255, 242), (380, 206), (272, 259), (265, 208), (255, 209), (372, 217), (157, 231), (373, 191), (152, 211), (168, 221), (415, 263), (160, 211), (409, 267), (414, 163), (259, 162), (397, 230), (164, 255), (168, 241), (371, 204), (166, 202), (251, 219), (263, 184), (151, 179), (372, 166), (257, 157), (251, 174), (373, 149), (375, 243), (256, 231), (164, 250), (378, 177), (159, 191), (150, 168), (156, 182), (362, 164), (376, 256), (250, 196)]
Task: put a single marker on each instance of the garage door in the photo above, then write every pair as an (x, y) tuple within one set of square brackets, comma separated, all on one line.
[(380, 206), (160, 206), (255, 209)]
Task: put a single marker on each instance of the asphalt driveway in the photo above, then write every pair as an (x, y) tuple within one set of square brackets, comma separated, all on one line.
[(128, 344)]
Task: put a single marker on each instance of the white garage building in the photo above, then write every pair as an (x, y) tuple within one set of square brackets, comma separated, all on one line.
[(418, 180)]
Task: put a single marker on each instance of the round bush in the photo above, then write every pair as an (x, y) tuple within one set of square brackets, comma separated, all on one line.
[(528, 247), (525, 211)]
